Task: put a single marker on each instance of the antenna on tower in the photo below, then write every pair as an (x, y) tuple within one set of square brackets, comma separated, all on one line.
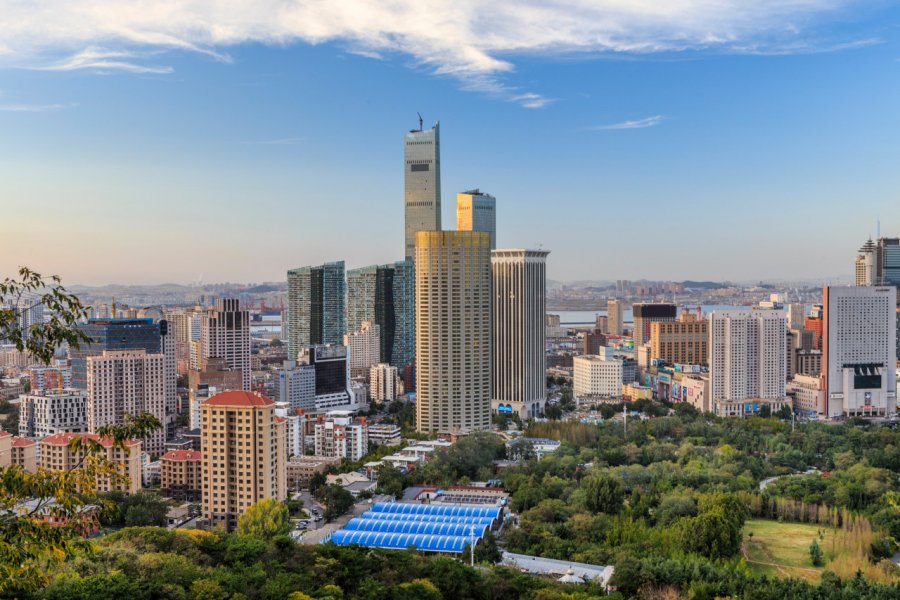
[(878, 228), (420, 120)]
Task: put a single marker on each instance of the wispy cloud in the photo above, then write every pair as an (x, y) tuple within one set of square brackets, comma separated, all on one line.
[(636, 124), (104, 60), (33, 108), (472, 41)]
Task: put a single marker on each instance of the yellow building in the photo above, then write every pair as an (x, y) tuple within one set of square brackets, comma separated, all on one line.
[(684, 341), (57, 456), (243, 447), (181, 474), (17, 451), (453, 331), (635, 391)]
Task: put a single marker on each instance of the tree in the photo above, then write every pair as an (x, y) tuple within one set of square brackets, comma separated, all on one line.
[(628, 575), (603, 493), (815, 554), (276, 343), (265, 519), (28, 540), (41, 340), (765, 411), (337, 501), (390, 480), (135, 510), (553, 412), (317, 482)]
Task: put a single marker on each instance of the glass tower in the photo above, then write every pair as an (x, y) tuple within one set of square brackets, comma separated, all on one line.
[(113, 334), (316, 306), (385, 295)]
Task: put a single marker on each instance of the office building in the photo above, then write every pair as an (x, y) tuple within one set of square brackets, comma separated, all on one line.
[(592, 342), (339, 435), (807, 393), (859, 351), (225, 333), (181, 475), (645, 314), (384, 383), (315, 312), (680, 342), (53, 411), (385, 295), (56, 455), (112, 334), (332, 376), (601, 324), (747, 360), (796, 315), (16, 450), (363, 348), (453, 331), (421, 183), (596, 378), (866, 264), (878, 263), (241, 443), (518, 359), (477, 211), (127, 382), (295, 386), (615, 314)]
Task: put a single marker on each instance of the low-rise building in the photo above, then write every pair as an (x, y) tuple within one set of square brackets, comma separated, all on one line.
[(636, 391), (52, 411), (595, 376), (339, 434), (695, 391), (15, 450), (807, 389), (181, 474), (300, 469), (56, 455), (384, 435)]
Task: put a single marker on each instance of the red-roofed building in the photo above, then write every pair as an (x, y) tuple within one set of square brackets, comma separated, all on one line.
[(17, 451), (243, 460), (181, 474), (57, 456)]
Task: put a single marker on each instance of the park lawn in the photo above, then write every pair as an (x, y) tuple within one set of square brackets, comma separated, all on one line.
[(782, 549)]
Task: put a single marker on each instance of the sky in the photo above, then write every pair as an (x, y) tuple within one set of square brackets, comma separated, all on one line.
[(162, 142)]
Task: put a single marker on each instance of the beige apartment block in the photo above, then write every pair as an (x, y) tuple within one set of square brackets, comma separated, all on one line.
[(57, 456)]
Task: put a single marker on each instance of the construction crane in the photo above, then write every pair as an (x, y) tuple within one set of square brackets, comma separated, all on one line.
[(420, 120)]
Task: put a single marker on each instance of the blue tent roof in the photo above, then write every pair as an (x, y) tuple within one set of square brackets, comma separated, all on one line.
[(383, 516), (375, 539), (464, 510), (418, 527)]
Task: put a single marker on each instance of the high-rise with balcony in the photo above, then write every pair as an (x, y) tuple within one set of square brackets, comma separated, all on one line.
[(385, 295), (453, 331), (477, 211), (225, 333), (680, 342), (315, 306), (127, 382), (518, 363), (242, 448), (421, 183)]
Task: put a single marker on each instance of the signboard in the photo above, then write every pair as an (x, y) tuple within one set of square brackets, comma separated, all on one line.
[(665, 378)]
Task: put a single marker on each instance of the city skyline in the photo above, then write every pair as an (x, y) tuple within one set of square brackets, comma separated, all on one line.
[(708, 126)]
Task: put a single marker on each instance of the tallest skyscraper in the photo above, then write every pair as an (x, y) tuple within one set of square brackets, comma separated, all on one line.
[(422, 183)]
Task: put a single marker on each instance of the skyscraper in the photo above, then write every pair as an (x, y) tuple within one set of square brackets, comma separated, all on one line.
[(453, 330), (243, 448), (747, 360), (615, 312), (866, 262), (127, 382), (315, 306), (645, 314), (225, 333), (113, 334), (476, 211), (518, 365), (858, 350), (421, 183), (385, 295)]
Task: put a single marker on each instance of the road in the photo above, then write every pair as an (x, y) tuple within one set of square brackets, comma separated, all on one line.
[(315, 536)]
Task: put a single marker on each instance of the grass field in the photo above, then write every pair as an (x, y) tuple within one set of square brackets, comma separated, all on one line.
[(782, 549)]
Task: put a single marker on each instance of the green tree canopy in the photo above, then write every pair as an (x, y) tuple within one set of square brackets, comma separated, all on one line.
[(265, 519)]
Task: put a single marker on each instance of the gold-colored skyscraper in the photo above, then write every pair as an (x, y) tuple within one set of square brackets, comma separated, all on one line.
[(453, 330), (242, 442)]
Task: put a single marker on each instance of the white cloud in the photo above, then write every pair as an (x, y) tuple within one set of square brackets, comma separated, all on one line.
[(475, 41), (636, 124), (29, 107)]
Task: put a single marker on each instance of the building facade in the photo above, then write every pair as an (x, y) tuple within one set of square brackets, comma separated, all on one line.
[(596, 377), (615, 316), (384, 383), (859, 351), (52, 412), (385, 295), (363, 348), (295, 386), (315, 312), (421, 183), (56, 455), (181, 475), (339, 435), (127, 382), (518, 358), (332, 376), (645, 314), (453, 331), (680, 342), (240, 448), (225, 333), (477, 211)]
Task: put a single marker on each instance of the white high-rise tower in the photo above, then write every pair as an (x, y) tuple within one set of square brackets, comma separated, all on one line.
[(421, 183)]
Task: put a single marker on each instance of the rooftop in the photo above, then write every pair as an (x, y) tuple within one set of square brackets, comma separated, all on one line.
[(180, 455), (238, 398), (63, 439)]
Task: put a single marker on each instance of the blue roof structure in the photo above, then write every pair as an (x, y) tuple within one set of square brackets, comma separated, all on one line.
[(400, 541), (448, 528), (460, 510), (383, 516)]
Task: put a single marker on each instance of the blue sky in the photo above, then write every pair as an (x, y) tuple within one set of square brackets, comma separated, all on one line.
[(661, 143)]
